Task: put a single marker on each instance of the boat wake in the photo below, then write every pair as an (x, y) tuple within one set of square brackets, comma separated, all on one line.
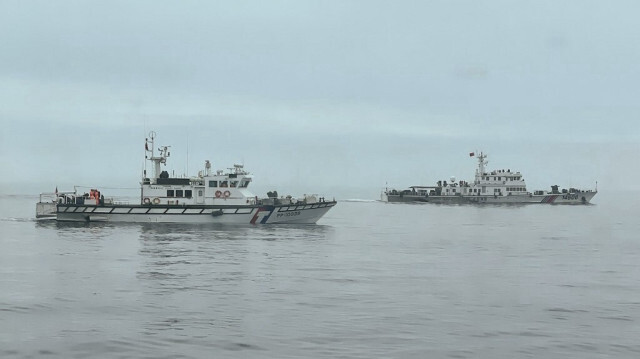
[(14, 219)]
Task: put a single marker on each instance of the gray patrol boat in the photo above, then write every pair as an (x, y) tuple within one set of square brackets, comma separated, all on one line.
[(498, 186)]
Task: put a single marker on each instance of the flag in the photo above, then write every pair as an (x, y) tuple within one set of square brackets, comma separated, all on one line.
[(471, 154), (146, 146), (56, 190)]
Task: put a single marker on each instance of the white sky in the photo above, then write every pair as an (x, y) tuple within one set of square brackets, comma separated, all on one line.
[(336, 97)]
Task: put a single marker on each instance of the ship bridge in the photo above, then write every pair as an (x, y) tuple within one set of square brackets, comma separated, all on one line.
[(208, 188)]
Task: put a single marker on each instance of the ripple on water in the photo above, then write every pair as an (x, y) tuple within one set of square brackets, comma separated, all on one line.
[(565, 310), (377, 281)]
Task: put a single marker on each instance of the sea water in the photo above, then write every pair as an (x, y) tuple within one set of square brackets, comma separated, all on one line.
[(370, 280)]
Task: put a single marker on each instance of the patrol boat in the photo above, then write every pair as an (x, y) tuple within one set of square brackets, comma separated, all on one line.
[(211, 197), (498, 186)]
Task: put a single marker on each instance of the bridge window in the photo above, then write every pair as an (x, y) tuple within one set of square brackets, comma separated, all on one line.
[(233, 183), (223, 184), (244, 184), (178, 193), (213, 183), (170, 193), (188, 193)]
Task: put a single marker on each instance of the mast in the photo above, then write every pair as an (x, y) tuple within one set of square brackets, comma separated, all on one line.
[(157, 160), (481, 163)]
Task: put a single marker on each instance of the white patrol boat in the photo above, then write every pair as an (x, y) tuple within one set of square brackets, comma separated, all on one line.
[(499, 186), (220, 197)]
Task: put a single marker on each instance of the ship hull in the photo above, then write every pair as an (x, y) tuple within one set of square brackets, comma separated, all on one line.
[(561, 198), (264, 214)]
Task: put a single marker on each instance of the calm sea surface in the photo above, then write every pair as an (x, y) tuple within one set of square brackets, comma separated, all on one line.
[(371, 280)]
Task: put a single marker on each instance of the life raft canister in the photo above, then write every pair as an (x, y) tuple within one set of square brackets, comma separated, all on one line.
[(218, 194), (156, 200), (227, 193), (146, 201)]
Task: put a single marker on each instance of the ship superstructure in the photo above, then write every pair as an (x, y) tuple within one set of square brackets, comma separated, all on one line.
[(221, 187)]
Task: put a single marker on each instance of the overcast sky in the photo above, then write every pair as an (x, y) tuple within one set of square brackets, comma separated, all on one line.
[(335, 97)]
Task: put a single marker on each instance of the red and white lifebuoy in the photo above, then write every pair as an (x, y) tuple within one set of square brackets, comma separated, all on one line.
[(218, 194), (227, 194)]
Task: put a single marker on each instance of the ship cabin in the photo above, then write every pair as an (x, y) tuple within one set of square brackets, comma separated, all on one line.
[(495, 183), (208, 188), (498, 183), (219, 188)]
